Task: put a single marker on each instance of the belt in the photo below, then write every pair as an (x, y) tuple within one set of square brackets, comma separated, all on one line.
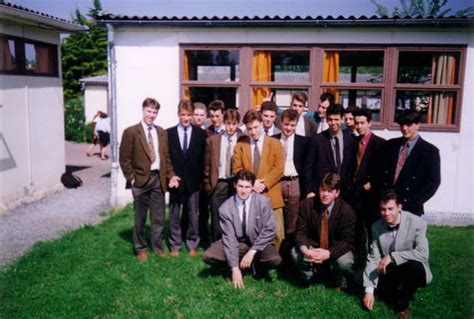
[(226, 180), (289, 178), (155, 171)]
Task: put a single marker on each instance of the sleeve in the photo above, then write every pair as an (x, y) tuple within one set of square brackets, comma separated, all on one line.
[(125, 154), (237, 163), (229, 238), (432, 177), (371, 274), (207, 166), (267, 233), (344, 240), (167, 160), (310, 179), (303, 224), (420, 251), (278, 164)]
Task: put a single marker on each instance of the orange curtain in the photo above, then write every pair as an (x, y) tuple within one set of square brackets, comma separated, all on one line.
[(5, 55), (187, 91), (441, 106), (43, 59), (331, 72), (261, 71)]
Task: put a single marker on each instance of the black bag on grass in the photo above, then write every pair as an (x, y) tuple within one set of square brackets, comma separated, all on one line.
[(71, 180)]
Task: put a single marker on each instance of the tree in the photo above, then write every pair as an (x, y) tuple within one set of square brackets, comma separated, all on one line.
[(424, 8)]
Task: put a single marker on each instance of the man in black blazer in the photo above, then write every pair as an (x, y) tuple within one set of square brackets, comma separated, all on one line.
[(334, 151), (186, 148), (411, 165)]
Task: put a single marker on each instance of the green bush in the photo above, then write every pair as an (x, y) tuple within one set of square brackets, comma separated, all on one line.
[(74, 120), (89, 132)]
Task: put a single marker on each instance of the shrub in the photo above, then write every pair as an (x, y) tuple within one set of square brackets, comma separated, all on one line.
[(74, 120)]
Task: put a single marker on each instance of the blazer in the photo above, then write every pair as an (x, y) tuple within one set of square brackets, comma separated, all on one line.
[(189, 167), (260, 226), (341, 226), (299, 157), (410, 244), (134, 156), (272, 164), (420, 176), (320, 161), (212, 161)]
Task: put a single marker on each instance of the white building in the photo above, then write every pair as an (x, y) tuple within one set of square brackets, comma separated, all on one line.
[(95, 95), (31, 104), (380, 63)]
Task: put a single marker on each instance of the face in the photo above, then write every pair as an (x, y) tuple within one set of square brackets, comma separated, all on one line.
[(243, 189), (149, 115), (334, 122), (322, 107), (327, 196), (268, 118), (185, 117), (298, 106), (254, 129), (288, 127), (199, 116), (231, 127), (409, 131), (390, 212), (349, 120), (361, 125), (217, 117)]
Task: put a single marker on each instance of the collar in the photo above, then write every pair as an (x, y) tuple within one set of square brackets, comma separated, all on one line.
[(411, 143), (182, 127), (365, 139), (146, 126), (240, 202)]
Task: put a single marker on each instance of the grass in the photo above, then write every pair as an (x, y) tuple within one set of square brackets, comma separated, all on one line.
[(92, 273)]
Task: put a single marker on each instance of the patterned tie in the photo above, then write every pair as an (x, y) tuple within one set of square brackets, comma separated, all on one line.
[(244, 221), (151, 147), (338, 154), (401, 161), (256, 158), (324, 234), (360, 154), (185, 140), (228, 158)]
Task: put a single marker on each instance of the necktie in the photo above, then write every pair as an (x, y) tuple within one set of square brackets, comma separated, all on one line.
[(360, 153), (228, 158), (266, 131), (324, 234), (393, 233), (244, 220), (338, 154), (256, 158), (185, 140), (151, 148), (401, 161)]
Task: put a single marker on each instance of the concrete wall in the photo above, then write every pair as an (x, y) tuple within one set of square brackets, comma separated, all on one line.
[(95, 99), (148, 65)]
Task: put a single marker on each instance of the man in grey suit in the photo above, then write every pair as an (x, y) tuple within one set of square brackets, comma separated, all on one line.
[(248, 230), (397, 264)]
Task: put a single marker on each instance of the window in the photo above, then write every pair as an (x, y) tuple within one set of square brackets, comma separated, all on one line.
[(7, 54)]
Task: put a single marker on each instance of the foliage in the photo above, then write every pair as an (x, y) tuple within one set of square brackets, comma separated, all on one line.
[(92, 273), (89, 132), (74, 120), (84, 53), (424, 8)]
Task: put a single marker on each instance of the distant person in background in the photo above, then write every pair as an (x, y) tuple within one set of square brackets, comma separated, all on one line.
[(325, 100), (200, 112), (102, 129), (95, 138), (305, 126), (269, 115), (348, 116)]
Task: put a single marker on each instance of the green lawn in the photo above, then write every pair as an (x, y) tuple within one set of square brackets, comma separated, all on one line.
[(92, 272)]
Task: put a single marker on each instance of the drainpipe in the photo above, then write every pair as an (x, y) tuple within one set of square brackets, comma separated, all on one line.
[(112, 98)]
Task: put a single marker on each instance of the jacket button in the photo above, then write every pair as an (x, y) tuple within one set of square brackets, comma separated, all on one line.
[(408, 188), (405, 200)]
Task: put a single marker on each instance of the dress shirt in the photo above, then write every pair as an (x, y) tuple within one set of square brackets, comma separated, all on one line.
[(219, 130), (410, 144), (341, 145), (156, 164), (363, 143), (290, 169), (271, 130), (300, 126), (240, 207), (259, 145), (222, 159), (323, 125), (189, 130)]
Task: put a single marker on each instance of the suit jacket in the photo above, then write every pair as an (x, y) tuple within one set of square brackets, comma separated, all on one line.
[(299, 157), (260, 226), (410, 244), (212, 161), (190, 166), (134, 156), (420, 176), (320, 161), (210, 130), (341, 226), (272, 164)]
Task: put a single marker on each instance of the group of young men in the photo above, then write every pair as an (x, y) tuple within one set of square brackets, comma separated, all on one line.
[(287, 186)]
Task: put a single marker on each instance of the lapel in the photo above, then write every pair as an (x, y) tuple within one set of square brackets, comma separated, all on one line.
[(142, 138), (411, 160), (161, 143), (251, 220), (402, 232), (216, 152), (236, 218), (328, 149), (306, 127), (265, 155)]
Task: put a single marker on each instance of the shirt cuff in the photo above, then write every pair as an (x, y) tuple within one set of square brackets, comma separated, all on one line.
[(369, 290)]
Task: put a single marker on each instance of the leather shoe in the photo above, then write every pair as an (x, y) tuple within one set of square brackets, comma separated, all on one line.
[(142, 255), (193, 252), (161, 254), (404, 314), (174, 253)]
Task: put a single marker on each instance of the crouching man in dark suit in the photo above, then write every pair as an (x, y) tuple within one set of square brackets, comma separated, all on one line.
[(248, 230), (397, 264)]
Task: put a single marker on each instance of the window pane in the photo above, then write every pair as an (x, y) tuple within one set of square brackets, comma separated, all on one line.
[(7, 54), (436, 107), (211, 65), (206, 95), (39, 58), (428, 67), (353, 67), (281, 96), (370, 99), (30, 56), (280, 66)]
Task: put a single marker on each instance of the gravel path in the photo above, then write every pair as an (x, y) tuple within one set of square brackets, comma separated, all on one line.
[(52, 216)]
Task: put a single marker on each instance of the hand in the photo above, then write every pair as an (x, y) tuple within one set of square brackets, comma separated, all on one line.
[(247, 259), (237, 279), (384, 263), (310, 195), (321, 255), (259, 186), (174, 182), (268, 97), (368, 301), (309, 254), (367, 186)]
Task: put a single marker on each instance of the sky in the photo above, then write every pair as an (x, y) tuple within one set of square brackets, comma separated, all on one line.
[(65, 8)]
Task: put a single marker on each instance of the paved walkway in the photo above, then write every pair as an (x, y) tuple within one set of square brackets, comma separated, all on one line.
[(52, 216)]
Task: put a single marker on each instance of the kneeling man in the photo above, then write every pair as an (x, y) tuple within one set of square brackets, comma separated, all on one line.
[(397, 264), (248, 231)]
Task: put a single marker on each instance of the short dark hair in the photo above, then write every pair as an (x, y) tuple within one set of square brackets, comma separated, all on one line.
[(290, 114), (409, 117), (299, 96), (327, 97), (331, 181), (335, 109), (185, 105), (216, 105), (232, 115), (151, 102), (388, 195), (363, 112), (244, 175), (252, 115), (268, 106), (350, 109)]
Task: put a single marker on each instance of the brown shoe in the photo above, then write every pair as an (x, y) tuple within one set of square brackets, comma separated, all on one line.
[(193, 252), (174, 253), (142, 255), (404, 314), (161, 254)]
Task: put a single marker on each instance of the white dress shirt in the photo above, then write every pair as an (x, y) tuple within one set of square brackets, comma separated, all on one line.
[(222, 160), (300, 126), (290, 169)]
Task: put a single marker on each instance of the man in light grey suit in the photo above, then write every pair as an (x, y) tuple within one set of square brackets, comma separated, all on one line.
[(248, 230), (397, 264)]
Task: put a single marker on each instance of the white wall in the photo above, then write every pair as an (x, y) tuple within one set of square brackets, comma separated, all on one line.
[(95, 99), (148, 65)]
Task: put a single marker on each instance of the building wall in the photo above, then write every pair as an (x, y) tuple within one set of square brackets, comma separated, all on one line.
[(148, 65), (95, 99)]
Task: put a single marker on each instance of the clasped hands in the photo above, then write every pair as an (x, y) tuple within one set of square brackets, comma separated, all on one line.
[(316, 255)]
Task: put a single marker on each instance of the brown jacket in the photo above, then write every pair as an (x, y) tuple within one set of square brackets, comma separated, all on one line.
[(271, 167), (134, 156)]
